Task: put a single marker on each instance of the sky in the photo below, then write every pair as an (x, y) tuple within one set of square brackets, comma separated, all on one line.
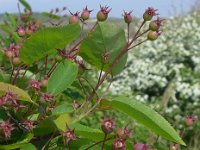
[(166, 8)]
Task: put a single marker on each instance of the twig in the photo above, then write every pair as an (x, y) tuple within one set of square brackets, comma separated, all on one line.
[(52, 69), (138, 31), (83, 88), (104, 140), (90, 85), (128, 32), (45, 64), (98, 143), (17, 73), (137, 44)]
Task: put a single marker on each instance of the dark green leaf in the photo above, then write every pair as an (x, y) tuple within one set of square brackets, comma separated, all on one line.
[(25, 4), (44, 127), (106, 38), (146, 116), (46, 40), (63, 76), (21, 142)]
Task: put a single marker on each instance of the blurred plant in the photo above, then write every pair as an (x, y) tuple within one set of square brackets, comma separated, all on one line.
[(44, 94)]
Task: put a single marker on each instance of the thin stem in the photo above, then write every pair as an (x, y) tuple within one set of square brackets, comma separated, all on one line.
[(100, 74), (90, 86), (82, 27), (128, 32), (52, 69), (92, 29), (47, 143), (12, 69), (77, 44), (83, 88), (137, 44), (157, 138), (104, 140), (20, 14), (15, 77), (68, 146), (25, 72), (100, 99), (138, 31), (140, 35), (99, 142), (45, 64)]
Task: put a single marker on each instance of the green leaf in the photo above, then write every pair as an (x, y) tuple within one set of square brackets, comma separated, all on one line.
[(12, 20), (106, 38), (87, 132), (46, 40), (28, 146), (62, 109), (146, 116), (25, 4), (61, 121), (21, 94), (21, 142), (62, 77), (44, 127), (52, 16)]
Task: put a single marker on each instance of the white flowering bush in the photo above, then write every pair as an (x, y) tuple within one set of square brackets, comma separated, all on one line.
[(167, 70)]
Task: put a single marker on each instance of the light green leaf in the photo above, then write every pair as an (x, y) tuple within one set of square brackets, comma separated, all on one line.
[(62, 109), (25, 4), (61, 121), (28, 146), (21, 142), (46, 40), (106, 39), (62, 77), (21, 94), (146, 116)]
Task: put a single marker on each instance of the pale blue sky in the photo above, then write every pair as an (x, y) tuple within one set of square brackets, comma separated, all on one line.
[(166, 7)]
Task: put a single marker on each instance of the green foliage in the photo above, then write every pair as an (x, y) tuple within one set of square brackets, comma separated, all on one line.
[(87, 132), (62, 109), (25, 4), (28, 147), (62, 98), (106, 39), (147, 117), (62, 77), (21, 94), (46, 40), (23, 140)]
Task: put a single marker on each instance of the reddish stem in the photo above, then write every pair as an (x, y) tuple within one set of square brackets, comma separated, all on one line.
[(126, 48), (17, 73)]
